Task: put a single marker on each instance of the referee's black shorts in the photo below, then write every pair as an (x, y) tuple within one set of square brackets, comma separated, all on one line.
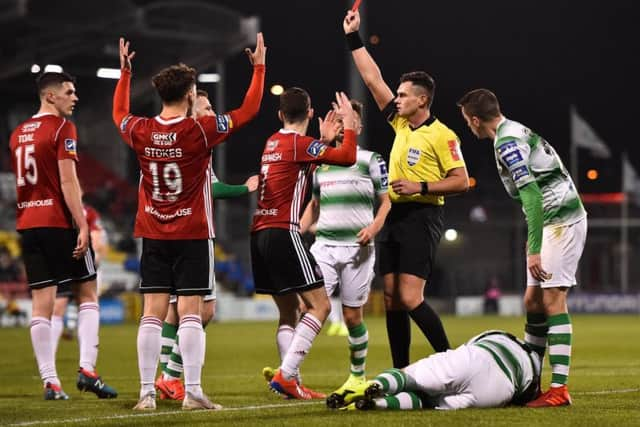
[(281, 263), (409, 239)]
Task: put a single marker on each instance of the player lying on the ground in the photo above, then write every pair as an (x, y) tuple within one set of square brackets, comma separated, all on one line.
[(493, 369)]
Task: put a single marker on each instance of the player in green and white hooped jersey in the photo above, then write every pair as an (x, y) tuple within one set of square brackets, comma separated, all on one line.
[(534, 175), (342, 207), (493, 369)]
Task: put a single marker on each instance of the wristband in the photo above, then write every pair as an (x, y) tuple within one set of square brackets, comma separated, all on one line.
[(354, 41), (424, 188)]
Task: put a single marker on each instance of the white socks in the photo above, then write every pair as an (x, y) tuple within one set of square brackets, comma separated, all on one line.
[(148, 352), (284, 336), (42, 342), (191, 342), (305, 333), (88, 326), (57, 326)]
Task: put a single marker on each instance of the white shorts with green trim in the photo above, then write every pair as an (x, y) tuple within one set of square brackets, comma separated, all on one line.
[(561, 251), (349, 267)]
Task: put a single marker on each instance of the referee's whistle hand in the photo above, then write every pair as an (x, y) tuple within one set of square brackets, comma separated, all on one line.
[(405, 187)]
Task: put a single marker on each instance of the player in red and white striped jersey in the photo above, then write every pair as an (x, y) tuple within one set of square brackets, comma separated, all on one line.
[(48, 210), (175, 210), (282, 266)]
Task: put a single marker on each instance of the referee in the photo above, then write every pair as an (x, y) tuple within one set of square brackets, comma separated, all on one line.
[(425, 165)]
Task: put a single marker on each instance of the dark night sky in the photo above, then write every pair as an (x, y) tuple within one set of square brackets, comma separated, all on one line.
[(539, 57)]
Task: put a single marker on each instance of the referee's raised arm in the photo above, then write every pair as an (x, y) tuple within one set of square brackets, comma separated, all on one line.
[(367, 67)]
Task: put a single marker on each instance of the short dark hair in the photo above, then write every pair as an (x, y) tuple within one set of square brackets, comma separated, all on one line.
[(481, 103), (202, 92), (48, 79), (294, 104), (174, 82), (357, 107), (422, 79)]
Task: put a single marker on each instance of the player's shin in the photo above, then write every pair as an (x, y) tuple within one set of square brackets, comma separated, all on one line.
[(148, 352), (535, 332), (168, 339), (406, 400), (43, 348), (88, 327), (392, 381), (190, 338), (560, 333), (358, 346)]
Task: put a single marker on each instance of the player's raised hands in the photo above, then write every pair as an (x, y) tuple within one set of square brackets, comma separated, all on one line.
[(258, 56), (125, 56), (330, 126), (343, 108), (351, 22)]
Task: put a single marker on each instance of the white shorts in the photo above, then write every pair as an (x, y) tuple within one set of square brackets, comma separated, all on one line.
[(467, 377), (206, 298), (350, 267), (561, 251)]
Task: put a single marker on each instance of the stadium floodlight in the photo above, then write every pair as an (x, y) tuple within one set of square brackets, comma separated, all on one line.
[(277, 90), (108, 73), (451, 235), (209, 78), (52, 68), (35, 68)]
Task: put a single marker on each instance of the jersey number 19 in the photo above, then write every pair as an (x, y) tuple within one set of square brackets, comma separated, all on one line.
[(171, 179)]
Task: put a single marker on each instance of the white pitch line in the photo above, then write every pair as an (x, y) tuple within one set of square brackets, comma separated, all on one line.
[(157, 414), (624, 390), (243, 408)]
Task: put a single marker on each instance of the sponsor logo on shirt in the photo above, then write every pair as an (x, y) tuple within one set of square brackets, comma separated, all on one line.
[(123, 123), (267, 212), (30, 127), (519, 173), (168, 216), (413, 155), (512, 158), (507, 146), (35, 203), (163, 138), (316, 149), (454, 149), (272, 144), (70, 145), (222, 122)]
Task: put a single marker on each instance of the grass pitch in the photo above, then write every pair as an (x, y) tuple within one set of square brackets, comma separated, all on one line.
[(604, 379)]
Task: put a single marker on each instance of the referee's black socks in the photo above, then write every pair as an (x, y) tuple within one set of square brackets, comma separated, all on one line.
[(431, 326), (399, 333)]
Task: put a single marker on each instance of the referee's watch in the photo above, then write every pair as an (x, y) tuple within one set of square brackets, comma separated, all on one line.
[(424, 188)]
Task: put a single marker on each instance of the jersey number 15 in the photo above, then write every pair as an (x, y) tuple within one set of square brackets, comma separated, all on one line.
[(30, 171)]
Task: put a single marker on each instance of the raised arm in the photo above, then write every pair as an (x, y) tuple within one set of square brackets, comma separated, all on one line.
[(345, 155), (251, 104), (367, 67), (121, 94)]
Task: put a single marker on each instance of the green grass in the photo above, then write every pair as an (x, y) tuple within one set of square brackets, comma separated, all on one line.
[(605, 367)]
